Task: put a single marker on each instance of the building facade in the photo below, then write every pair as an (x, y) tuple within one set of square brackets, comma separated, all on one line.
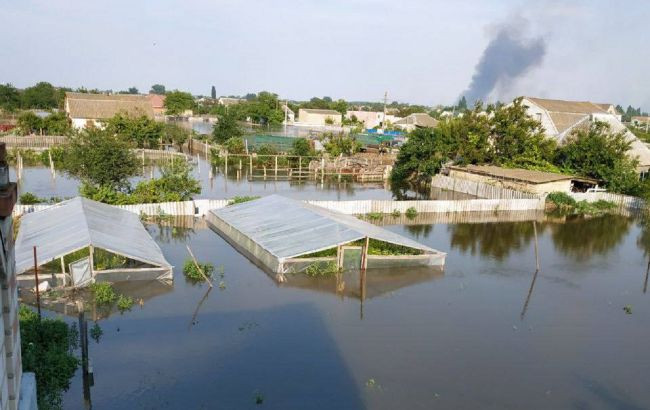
[(90, 110), (312, 116)]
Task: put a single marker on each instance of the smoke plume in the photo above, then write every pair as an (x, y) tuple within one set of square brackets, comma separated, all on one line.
[(508, 55)]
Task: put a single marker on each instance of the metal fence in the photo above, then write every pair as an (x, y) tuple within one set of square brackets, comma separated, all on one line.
[(33, 141), (479, 189)]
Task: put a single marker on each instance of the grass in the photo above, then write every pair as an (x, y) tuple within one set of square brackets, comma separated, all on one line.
[(241, 199), (103, 293), (374, 216), (192, 272)]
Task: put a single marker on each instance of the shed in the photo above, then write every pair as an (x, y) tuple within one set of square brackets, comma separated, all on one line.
[(536, 182), (285, 235), (91, 109), (91, 241), (315, 116)]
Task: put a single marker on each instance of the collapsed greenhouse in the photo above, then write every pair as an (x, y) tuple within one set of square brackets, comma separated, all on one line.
[(284, 235), (79, 241)]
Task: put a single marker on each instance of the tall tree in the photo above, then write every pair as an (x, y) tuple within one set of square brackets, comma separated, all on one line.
[(176, 102), (142, 132), (42, 95), (157, 89), (226, 128), (9, 97), (213, 93)]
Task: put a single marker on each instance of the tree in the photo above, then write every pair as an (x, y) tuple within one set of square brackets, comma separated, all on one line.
[(601, 154), (226, 128), (213, 93), (57, 123), (341, 144), (43, 95), (142, 132), (157, 89), (462, 104), (9, 97), (235, 145), (302, 147), (29, 123), (175, 184), (175, 134), (177, 102), (131, 90), (100, 158)]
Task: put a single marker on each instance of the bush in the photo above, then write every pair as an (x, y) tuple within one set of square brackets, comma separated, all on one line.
[(124, 303), (560, 199), (411, 213), (396, 213), (374, 216), (321, 269), (30, 199), (103, 293), (47, 350), (192, 272)]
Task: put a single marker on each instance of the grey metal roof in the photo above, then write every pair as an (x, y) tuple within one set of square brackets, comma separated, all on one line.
[(287, 228), (77, 223)]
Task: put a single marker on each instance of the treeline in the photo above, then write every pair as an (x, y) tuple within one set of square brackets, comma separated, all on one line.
[(505, 135)]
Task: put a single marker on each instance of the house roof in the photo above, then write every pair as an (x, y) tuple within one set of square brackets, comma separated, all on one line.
[(103, 106), (420, 119), (288, 228), (78, 223), (563, 106), (157, 100), (319, 111), (516, 174), (564, 121)]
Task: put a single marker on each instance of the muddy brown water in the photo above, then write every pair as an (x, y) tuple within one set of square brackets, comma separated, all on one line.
[(471, 336)]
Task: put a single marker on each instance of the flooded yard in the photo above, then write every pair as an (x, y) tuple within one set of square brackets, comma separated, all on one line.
[(476, 335)]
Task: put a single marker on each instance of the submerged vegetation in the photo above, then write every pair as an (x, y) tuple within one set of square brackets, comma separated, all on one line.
[(318, 269), (103, 293), (47, 350), (192, 272), (241, 199)]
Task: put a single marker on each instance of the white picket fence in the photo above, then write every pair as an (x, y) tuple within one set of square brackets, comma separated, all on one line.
[(627, 202), (478, 189)]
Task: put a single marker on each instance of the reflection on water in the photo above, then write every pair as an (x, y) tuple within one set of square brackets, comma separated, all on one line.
[(412, 338)]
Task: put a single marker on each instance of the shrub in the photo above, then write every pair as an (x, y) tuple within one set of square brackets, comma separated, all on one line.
[(396, 213), (411, 213), (374, 216), (124, 303), (192, 272), (560, 199), (103, 293), (29, 199), (321, 269)]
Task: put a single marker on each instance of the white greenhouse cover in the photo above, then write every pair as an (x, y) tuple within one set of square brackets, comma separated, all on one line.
[(77, 223), (288, 228)]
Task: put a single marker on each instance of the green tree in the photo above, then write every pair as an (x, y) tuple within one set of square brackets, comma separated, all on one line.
[(341, 144), (57, 123), (101, 158), (176, 102), (235, 145), (157, 89), (302, 147), (131, 90), (9, 97), (599, 153), (30, 123), (175, 184), (213, 93), (227, 127), (175, 134), (43, 95), (142, 132)]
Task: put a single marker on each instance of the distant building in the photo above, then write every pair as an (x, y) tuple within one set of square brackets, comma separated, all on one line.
[(312, 116), (157, 104), (417, 120), (289, 114), (228, 101), (640, 120), (536, 182), (372, 119), (560, 118), (92, 109)]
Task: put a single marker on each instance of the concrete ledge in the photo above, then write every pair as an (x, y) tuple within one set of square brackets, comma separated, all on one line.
[(27, 399)]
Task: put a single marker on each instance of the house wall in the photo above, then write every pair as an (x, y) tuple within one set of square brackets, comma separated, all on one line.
[(81, 123), (542, 116), (317, 119), (555, 186)]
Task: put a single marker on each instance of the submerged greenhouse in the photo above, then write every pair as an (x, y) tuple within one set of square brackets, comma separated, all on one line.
[(79, 240), (286, 236)]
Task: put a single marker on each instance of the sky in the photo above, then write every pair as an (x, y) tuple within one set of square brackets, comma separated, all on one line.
[(419, 51)]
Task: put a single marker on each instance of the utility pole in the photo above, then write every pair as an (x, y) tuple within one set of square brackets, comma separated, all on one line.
[(385, 101)]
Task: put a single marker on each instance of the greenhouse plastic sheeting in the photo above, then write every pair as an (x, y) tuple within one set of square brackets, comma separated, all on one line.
[(287, 228), (78, 223)]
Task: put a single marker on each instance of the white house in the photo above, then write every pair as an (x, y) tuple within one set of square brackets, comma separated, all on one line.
[(416, 120), (372, 119), (312, 116), (92, 109), (559, 118)]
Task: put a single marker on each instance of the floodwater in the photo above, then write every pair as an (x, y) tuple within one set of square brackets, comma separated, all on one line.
[(476, 335)]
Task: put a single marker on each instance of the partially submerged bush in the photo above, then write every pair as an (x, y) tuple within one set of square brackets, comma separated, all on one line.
[(374, 216), (396, 213), (560, 199), (103, 293), (567, 204), (192, 272), (30, 199), (124, 303), (411, 213)]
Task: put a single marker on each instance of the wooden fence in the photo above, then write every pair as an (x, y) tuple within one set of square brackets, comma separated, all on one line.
[(33, 141), (478, 189)]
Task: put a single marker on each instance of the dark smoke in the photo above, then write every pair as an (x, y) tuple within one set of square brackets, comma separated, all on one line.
[(506, 57)]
